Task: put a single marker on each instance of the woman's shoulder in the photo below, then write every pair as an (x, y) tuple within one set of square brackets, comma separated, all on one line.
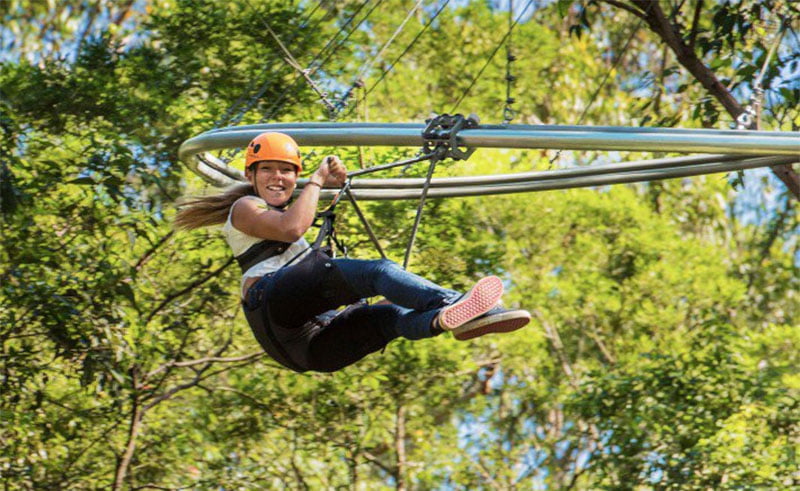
[(254, 201), (249, 197)]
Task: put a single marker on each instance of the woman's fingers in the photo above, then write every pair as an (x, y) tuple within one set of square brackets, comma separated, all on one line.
[(337, 169), (334, 170)]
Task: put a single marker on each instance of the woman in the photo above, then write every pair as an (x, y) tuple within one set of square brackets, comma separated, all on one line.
[(290, 291)]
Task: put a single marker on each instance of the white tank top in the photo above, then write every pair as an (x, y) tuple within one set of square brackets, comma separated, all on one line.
[(239, 242)]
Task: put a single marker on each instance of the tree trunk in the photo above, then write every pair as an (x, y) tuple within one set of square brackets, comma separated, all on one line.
[(133, 432), (660, 24), (400, 447)]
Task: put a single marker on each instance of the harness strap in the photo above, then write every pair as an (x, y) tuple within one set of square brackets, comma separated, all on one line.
[(267, 339), (261, 251), (328, 217)]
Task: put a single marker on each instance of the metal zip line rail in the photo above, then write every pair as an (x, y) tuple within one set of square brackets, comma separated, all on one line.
[(775, 148), (535, 176), (564, 182)]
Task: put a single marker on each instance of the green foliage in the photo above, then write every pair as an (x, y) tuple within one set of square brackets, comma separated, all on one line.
[(664, 345), (733, 39), (699, 419)]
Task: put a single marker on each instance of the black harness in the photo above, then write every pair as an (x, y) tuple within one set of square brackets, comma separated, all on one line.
[(261, 251), (258, 316)]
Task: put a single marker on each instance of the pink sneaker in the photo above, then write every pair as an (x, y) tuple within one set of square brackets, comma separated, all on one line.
[(476, 302), (497, 319)]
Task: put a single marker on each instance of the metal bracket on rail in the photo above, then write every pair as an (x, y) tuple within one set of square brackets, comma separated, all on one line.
[(441, 142), (441, 135)]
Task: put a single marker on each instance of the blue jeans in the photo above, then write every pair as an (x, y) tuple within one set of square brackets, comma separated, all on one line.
[(415, 300), (289, 310)]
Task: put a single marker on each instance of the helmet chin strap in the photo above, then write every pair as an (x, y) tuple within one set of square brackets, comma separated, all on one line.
[(283, 206)]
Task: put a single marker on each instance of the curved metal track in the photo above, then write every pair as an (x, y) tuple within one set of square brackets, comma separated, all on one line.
[(744, 149)]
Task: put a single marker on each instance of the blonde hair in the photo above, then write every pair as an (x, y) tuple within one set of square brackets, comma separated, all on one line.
[(203, 211)]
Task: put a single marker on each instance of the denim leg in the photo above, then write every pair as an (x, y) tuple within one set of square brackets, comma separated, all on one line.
[(357, 332), (409, 324), (388, 279)]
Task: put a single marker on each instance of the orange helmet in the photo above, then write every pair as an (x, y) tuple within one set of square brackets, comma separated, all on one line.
[(273, 146)]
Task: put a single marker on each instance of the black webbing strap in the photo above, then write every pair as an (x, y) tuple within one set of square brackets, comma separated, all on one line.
[(328, 217), (325, 228), (261, 251), (266, 249)]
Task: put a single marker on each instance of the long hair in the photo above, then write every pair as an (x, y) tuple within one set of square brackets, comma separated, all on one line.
[(203, 211)]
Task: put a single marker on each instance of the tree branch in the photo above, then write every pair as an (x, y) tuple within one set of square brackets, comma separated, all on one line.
[(168, 369), (773, 232), (186, 290), (374, 460), (147, 255), (209, 359), (552, 333), (400, 446), (698, 9), (155, 486), (558, 347), (133, 433), (255, 402), (659, 24), (123, 13), (295, 469), (82, 452), (482, 469), (789, 177), (625, 7), (199, 377)]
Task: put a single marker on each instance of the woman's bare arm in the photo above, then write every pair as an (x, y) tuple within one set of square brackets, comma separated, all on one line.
[(254, 218)]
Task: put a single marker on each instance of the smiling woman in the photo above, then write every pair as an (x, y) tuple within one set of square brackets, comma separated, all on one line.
[(290, 290)]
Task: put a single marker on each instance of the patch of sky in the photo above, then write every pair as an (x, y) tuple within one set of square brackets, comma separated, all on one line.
[(654, 471), (65, 46), (476, 435), (759, 197)]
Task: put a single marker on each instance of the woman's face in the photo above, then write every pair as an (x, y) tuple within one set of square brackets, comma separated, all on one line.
[(274, 181)]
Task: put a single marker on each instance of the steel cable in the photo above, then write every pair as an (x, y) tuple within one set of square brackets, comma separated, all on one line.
[(496, 49)]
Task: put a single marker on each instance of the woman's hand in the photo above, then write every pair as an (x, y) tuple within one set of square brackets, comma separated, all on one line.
[(331, 172)]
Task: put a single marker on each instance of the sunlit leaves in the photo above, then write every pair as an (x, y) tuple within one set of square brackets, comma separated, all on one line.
[(664, 340)]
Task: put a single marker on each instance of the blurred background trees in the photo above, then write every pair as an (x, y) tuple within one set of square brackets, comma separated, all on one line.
[(663, 351)]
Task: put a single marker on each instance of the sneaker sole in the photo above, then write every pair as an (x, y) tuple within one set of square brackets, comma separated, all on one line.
[(479, 300), (505, 322)]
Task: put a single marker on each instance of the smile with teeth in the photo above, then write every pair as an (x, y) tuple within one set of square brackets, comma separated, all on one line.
[(276, 188)]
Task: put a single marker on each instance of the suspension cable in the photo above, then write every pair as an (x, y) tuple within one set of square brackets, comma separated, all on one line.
[(278, 104), (497, 48), (751, 117), (279, 101), (226, 117), (293, 62), (420, 207), (508, 112), (367, 227), (605, 79), (367, 66), (406, 50), (275, 107)]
